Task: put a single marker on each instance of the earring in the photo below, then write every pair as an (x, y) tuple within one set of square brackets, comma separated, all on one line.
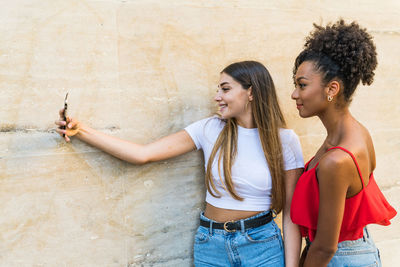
[(330, 98)]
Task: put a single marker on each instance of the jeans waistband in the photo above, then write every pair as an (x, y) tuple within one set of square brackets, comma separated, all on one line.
[(348, 243)]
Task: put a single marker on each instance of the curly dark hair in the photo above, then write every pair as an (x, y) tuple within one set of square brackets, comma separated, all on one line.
[(343, 51)]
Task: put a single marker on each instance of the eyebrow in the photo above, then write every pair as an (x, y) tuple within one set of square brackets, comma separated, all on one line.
[(301, 77), (222, 84)]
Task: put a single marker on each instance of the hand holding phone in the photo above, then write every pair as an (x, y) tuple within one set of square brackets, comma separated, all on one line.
[(65, 111), (64, 120)]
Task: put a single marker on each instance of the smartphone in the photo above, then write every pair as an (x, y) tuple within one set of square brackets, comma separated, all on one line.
[(65, 111)]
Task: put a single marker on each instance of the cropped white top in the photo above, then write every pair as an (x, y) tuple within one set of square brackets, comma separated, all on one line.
[(250, 173)]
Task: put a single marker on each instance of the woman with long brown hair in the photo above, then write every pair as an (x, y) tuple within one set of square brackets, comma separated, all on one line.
[(252, 165)]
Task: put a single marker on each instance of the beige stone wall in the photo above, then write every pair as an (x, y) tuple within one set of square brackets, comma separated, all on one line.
[(141, 70)]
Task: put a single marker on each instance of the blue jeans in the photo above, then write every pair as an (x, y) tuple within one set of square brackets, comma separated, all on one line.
[(357, 253), (261, 246)]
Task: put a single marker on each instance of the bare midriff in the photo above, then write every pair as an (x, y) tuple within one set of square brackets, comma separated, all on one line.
[(223, 215)]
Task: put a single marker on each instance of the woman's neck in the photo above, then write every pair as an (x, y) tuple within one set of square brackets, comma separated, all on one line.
[(246, 121), (335, 121)]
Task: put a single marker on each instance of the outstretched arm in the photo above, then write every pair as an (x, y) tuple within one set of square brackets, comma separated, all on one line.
[(167, 147), (291, 232)]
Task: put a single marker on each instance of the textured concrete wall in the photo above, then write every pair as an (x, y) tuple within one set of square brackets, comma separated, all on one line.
[(141, 70)]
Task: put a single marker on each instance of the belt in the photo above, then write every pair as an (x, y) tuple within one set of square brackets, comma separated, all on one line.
[(233, 226)]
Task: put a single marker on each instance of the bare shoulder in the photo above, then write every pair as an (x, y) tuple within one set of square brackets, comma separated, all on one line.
[(335, 166), (365, 145)]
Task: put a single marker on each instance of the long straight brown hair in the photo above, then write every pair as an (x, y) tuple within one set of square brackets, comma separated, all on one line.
[(268, 119)]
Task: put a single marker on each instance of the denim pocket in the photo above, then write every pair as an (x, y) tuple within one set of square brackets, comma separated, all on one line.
[(356, 257), (262, 234), (201, 237), (263, 246), (352, 252), (375, 264)]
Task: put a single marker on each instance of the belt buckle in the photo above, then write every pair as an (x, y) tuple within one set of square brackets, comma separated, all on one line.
[(225, 226)]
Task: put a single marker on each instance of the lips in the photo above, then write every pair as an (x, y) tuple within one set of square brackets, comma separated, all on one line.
[(299, 106), (222, 106)]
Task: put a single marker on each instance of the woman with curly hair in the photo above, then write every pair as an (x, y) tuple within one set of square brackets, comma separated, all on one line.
[(336, 197)]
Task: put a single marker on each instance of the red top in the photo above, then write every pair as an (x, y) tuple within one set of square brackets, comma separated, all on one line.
[(367, 206)]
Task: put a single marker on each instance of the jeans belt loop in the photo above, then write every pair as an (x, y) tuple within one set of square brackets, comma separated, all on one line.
[(211, 228), (242, 229), (365, 234), (308, 242), (273, 213)]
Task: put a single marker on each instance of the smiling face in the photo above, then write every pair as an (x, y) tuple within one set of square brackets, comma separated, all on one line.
[(233, 99), (310, 93)]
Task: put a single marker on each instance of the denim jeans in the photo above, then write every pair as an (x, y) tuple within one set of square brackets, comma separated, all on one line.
[(357, 253), (261, 246)]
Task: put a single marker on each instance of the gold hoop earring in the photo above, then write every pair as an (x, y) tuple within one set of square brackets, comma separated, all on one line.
[(330, 98)]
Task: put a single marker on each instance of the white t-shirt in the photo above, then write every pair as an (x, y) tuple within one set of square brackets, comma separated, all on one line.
[(250, 173)]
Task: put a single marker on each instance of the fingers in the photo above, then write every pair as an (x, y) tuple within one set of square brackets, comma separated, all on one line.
[(72, 123), (61, 131), (60, 123), (64, 125), (61, 112)]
